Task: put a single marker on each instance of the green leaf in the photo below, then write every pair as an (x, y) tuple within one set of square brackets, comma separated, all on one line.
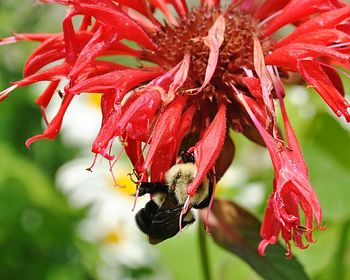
[(331, 182), (329, 135), (237, 231), (37, 186)]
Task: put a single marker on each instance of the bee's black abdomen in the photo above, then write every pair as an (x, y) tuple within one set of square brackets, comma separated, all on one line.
[(146, 215)]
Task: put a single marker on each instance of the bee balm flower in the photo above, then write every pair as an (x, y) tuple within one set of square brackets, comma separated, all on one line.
[(209, 69)]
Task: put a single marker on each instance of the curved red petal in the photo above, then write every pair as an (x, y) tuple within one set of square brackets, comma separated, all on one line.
[(207, 150)]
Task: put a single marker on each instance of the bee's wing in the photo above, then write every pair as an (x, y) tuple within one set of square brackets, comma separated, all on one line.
[(165, 223), (145, 216)]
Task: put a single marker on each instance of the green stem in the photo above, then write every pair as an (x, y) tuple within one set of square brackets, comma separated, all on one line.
[(339, 269), (203, 251)]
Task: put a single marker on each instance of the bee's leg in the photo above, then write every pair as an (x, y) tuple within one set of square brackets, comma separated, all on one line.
[(152, 188)]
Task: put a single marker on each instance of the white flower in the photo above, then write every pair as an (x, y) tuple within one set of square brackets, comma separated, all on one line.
[(110, 222)]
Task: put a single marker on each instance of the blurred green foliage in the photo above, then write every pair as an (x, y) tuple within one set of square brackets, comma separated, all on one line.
[(38, 237)]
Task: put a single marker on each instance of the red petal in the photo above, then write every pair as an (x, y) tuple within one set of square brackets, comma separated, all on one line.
[(299, 9), (270, 7), (326, 20), (137, 5), (55, 125), (213, 41), (325, 37), (313, 73), (180, 73), (138, 114), (119, 82), (51, 74), (287, 56), (106, 134), (70, 40), (163, 6), (165, 129), (164, 157), (114, 17), (185, 124), (101, 40), (133, 149), (45, 98), (207, 150)]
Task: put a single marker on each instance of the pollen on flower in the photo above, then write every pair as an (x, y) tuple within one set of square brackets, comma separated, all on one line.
[(236, 52)]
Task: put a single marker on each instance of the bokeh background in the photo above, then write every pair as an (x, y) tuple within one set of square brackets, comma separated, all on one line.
[(59, 221)]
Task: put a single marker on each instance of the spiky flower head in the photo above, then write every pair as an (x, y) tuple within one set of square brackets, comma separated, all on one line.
[(202, 71)]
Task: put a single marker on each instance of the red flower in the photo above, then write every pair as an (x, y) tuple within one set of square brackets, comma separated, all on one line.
[(214, 68)]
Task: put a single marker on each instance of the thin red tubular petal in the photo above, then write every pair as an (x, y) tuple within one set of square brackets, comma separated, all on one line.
[(211, 3), (179, 73), (265, 80), (119, 82), (38, 37), (55, 125), (70, 40), (213, 41), (142, 20), (132, 120), (258, 110), (114, 17), (179, 7), (334, 78), (101, 40), (98, 68), (40, 60), (51, 50), (163, 6), (164, 157), (107, 133), (134, 151), (172, 80), (185, 124), (287, 56), (45, 98), (313, 73), (296, 10), (138, 114), (270, 227), (253, 85), (328, 20), (51, 74), (270, 7), (325, 37), (85, 23), (207, 150), (137, 5), (166, 129)]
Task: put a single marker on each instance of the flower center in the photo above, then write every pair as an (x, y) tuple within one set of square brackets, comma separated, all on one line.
[(236, 52)]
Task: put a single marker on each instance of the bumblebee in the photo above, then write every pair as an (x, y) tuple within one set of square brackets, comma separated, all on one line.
[(160, 217)]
